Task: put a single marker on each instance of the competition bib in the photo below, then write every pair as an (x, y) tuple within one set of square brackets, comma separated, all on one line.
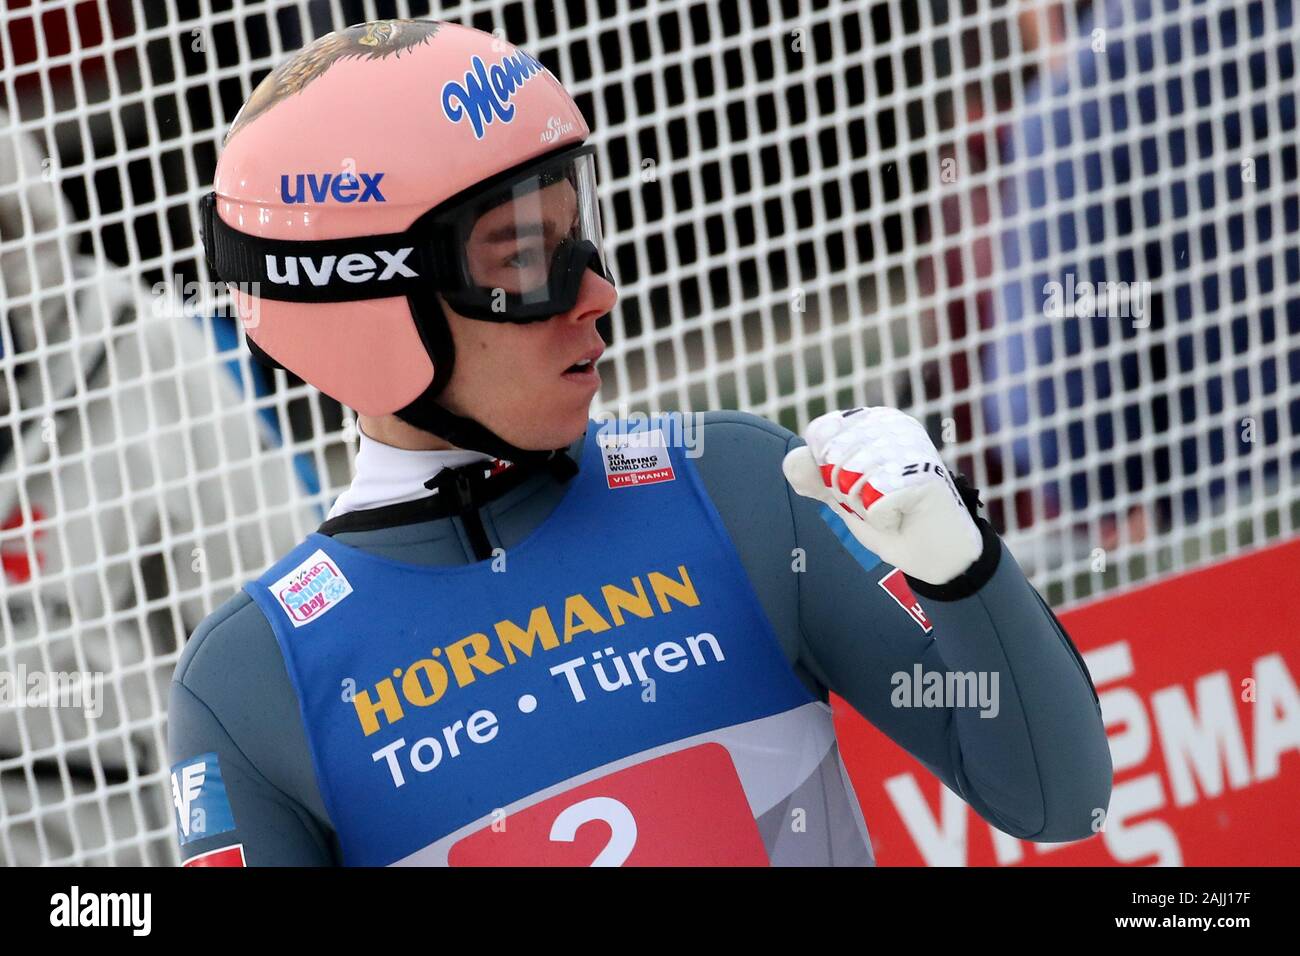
[(607, 691)]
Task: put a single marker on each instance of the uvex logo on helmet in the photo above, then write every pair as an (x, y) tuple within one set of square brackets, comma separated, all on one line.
[(354, 267), (342, 187), (486, 93)]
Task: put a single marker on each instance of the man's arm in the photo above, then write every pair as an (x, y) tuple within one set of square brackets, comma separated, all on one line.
[(242, 765), (1038, 770)]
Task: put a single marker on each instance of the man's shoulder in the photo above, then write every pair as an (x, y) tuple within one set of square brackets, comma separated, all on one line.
[(732, 441), (234, 637), (745, 427), (231, 685), (738, 456)]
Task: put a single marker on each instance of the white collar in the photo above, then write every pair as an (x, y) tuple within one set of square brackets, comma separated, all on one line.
[(386, 475)]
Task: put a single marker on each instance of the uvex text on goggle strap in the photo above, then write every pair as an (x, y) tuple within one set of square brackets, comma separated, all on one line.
[(511, 250)]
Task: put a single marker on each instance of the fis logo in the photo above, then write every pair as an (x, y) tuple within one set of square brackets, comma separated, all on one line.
[(486, 93), (199, 797), (341, 187), (354, 267)]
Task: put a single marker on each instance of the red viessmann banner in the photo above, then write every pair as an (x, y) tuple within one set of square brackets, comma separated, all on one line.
[(1197, 681)]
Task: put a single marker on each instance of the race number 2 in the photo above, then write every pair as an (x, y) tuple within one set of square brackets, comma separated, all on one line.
[(682, 809)]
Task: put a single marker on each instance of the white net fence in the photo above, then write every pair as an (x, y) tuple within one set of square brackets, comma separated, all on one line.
[(1064, 235)]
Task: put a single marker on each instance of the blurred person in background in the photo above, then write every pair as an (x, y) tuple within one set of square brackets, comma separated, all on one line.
[(132, 481), (960, 223), (1137, 176)]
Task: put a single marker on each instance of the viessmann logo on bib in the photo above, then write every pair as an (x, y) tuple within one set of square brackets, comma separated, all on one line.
[(638, 458), (311, 589)]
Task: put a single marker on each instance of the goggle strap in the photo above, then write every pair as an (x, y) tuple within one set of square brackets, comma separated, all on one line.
[(317, 270)]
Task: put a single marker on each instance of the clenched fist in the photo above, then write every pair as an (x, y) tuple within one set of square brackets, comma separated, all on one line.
[(879, 471)]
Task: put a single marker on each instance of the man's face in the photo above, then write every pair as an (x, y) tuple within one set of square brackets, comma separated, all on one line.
[(519, 380)]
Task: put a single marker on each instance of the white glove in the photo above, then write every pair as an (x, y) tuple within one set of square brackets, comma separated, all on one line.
[(881, 474)]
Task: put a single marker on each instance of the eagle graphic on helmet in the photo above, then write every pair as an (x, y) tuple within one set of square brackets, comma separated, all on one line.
[(378, 39)]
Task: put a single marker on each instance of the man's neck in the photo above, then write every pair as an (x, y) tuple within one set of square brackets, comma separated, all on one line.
[(387, 473), (392, 431)]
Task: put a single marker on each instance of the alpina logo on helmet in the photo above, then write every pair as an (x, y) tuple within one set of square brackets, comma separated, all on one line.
[(485, 95), (341, 186), (354, 267), (555, 128)]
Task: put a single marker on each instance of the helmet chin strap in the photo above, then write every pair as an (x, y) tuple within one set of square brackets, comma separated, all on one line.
[(426, 414)]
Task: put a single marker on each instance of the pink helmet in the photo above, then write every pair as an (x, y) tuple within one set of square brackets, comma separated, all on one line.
[(350, 188)]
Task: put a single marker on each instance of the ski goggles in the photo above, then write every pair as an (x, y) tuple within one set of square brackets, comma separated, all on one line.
[(513, 249)]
